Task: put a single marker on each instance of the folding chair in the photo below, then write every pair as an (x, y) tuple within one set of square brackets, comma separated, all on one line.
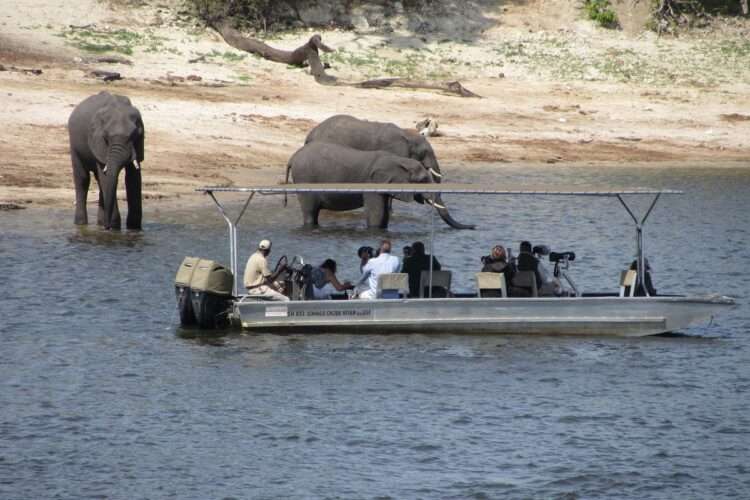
[(392, 286), (525, 282), (627, 283), (441, 284), (491, 285)]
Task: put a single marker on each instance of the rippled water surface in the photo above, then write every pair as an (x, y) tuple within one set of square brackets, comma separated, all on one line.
[(102, 395)]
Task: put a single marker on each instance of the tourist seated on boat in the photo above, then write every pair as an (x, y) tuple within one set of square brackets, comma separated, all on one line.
[(526, 261), (364, 253), (382, 264), (414, 265), (259, 280), (325, 283), (497, 262), (547, 284), (639, 292), (407, 252)]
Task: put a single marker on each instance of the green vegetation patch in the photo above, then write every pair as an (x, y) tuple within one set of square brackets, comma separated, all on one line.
[(706, 62), (601, 12), (406, 63), (119, 41)]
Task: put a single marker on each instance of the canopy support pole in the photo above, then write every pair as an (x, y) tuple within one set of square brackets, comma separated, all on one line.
[(432, 245), (641, 259), (233, 238)]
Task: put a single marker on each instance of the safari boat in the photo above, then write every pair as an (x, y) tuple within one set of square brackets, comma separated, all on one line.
[(209, 293)]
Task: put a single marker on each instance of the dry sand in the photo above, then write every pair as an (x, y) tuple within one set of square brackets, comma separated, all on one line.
[(244, 118)]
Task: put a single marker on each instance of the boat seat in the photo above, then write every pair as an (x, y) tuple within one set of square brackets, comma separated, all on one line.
[(491, 285), (627, 283), (441, 284), (524, 284), (392, 286)]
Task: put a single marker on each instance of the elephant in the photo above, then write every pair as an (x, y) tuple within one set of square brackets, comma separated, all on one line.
[(320, 162), (107, 136), (377, 136)]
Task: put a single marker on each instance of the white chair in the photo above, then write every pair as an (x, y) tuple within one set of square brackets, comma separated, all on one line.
[(392, 286), (441, 284), (627, 283), (491, 285)]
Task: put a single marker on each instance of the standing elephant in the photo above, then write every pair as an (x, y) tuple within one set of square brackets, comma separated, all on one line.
[(321, 162), (106, 136), (377, 136)]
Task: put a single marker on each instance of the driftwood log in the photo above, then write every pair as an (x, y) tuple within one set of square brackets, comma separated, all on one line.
[(308, 54)]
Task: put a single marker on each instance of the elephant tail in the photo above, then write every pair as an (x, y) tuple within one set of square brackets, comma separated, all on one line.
[(286, 179)]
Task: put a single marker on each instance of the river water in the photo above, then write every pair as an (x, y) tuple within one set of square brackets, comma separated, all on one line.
[(102, 395)]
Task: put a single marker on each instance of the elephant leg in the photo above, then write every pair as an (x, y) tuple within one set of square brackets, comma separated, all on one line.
[(133, 190), (81, 181), (377, 210), (115, 220), (100, 211), (310, 206)]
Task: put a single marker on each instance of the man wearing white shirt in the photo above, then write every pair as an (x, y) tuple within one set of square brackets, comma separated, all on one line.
[(383, 263)]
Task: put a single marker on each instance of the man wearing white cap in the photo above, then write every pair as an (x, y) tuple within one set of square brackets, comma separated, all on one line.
[(259, 281)]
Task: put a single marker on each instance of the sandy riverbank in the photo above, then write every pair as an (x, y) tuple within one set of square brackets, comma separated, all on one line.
[(232, 119)]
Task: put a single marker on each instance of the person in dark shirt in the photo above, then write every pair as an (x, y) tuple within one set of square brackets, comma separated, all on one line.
[(647, 280), (414, 265), (528, 262), (407, 252), (364, 254), (497, 262)]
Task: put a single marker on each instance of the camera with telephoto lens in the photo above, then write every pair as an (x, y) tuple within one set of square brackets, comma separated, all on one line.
[(540, 250), (558, 256)]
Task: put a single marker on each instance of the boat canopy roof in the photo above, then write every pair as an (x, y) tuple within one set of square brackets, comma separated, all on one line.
[(443, 188)]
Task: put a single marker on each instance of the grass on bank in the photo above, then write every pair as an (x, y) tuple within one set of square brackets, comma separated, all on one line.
[(120, 41)]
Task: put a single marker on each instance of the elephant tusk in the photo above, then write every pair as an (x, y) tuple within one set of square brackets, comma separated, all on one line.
[(104, 170), (136, 165), (436, 173), (433, 204)]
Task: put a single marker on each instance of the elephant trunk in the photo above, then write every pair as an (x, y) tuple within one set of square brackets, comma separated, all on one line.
[(118, 156), (108, 187), (442, 210)]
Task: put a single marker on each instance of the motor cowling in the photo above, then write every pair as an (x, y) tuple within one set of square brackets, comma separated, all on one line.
[(183, 292), (208, 294)]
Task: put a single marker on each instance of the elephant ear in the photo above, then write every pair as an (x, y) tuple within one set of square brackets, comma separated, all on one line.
[(98, 135), (140, 139)]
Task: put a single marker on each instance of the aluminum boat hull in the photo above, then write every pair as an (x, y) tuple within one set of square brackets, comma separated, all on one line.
[(619, 316)]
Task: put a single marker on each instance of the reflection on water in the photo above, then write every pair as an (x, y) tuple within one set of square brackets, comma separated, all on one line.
[(104, 395), (99, 237)]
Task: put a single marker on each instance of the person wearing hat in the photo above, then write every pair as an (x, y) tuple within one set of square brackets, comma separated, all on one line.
[(259, 280)]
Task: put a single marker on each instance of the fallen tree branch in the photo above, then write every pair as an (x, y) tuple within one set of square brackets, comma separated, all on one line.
[(309, 54), (295, 57)]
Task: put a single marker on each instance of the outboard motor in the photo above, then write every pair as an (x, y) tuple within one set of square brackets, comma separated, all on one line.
[(182, 290), (204, 293)]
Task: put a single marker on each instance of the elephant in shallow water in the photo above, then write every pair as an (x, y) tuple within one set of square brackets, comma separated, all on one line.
[(321, 162), (377, 136), (107, 136)]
